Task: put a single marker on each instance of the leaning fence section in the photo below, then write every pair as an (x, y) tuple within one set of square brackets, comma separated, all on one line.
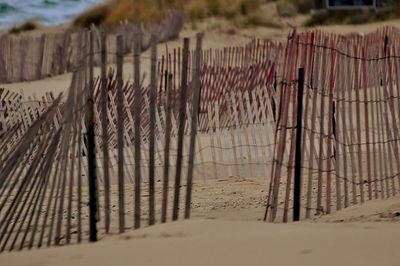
[(86, 160), (350, 145), (136, 147), (319, 112), (39, 55)]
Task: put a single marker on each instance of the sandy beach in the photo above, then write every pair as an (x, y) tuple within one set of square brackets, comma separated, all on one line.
[(218, 34), (227, 225), (216, 238)]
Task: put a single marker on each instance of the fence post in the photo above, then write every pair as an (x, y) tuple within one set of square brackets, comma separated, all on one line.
[(168, 126), (334, 129), (2, 117), (120, 133), (297, 168), (181, 129), (104, 126), (137, 111), (153, 99), (195, 113), (91, 147)]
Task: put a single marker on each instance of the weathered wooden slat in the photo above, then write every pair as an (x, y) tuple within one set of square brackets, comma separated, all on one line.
[(137, 111), (194, 117), (104, 131), (181, 128), (153, 100), (120, 138)]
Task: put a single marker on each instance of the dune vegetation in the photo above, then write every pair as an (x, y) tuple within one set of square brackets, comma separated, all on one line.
[(290, 8), (28, 25), (240, 12)]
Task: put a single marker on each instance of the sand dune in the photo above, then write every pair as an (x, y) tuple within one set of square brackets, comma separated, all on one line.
[(226, 229), (387, 210), (219, 243), (218, 34), (229, 234)]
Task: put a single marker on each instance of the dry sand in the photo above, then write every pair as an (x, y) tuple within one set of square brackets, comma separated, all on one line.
[(387, 210), (206, 242), (218, 34), (226, 229)]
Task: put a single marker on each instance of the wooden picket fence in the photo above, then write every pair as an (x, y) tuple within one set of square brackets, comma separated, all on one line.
[(200, 114), (350, 118), (143, 133), (35, 56)]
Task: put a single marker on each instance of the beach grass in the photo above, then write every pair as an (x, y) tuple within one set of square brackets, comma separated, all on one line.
[(28, 25), (240, 12)]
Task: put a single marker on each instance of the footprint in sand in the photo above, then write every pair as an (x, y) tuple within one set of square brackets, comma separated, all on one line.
[(306, 251)]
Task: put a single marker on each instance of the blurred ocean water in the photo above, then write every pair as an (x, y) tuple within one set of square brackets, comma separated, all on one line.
[(47, 12)]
